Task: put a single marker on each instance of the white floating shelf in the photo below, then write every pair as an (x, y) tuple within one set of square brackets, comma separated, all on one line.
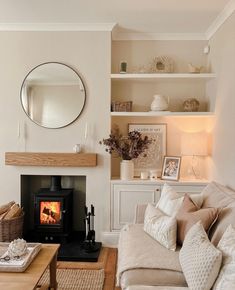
[(162, 114), (152, 76)]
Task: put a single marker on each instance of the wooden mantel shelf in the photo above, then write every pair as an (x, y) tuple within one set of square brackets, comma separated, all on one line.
[(51, 159)]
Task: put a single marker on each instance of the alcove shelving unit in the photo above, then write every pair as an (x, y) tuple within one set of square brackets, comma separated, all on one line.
[(156, 77)]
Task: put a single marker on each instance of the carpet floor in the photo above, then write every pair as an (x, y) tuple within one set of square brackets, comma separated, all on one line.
[(76, 279)]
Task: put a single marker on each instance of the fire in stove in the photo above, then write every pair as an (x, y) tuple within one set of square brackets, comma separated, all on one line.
[(50, 212)]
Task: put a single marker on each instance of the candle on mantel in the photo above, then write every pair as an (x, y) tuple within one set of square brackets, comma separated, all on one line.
[(18, 130), (86, 131)]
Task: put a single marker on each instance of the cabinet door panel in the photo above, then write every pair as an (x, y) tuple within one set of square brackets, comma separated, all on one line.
[(124, 200)]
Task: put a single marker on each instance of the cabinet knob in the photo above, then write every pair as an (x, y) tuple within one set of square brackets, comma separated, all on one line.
[(157, 189)]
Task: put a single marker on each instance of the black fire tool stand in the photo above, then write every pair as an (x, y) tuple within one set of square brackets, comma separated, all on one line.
[(90, 245)]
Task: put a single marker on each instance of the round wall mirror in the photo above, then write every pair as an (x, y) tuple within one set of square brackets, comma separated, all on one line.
[(53, 95)]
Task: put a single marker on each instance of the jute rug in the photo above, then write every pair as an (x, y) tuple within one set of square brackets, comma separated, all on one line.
[(76, 279)]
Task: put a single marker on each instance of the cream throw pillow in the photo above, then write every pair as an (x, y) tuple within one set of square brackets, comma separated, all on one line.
[(170, 201), (199, 259), (226, 278), (161, 227)]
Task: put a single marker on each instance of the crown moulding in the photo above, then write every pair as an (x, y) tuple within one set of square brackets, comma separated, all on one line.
[(117, 35), (57, 26)]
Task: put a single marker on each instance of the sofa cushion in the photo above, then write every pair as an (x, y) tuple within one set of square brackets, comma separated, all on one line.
[(199, 258), (189, 214), (226, 278), (160, 227), (225, 218), (137, 250), (215, 194), (170, 201)]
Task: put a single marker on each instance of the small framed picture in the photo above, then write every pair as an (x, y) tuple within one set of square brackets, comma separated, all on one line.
[(171, 167)]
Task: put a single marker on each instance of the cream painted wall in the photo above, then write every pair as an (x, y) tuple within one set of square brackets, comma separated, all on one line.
[(222, 61), (89, 53)]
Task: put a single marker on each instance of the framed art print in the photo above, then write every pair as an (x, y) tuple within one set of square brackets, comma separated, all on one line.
[(171, 167), (156, 150)]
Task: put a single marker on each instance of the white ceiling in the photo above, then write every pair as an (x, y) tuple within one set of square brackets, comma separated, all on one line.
[(151, 16)]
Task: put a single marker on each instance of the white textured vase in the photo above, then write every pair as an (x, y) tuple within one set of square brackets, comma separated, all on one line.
[(127, 169)]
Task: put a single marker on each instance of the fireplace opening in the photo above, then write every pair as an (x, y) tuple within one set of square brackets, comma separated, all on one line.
[(50, 212), (54, 213)]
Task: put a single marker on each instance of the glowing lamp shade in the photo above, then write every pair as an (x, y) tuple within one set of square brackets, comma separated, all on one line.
[(194, 144)]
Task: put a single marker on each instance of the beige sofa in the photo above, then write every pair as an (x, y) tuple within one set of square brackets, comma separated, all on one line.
[(143, 261)]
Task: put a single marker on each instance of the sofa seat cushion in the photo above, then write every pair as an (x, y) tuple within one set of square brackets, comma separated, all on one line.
[(152, 277), (137, 250), (142, 287)]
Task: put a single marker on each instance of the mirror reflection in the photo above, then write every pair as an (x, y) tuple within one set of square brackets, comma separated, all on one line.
[(53, 95)]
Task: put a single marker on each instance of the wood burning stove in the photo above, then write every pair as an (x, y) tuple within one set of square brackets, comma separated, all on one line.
[(53, 213)]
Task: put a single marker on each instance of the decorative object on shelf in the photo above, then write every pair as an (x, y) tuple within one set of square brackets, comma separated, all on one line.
[(17, 248), (127, 148), (153, 174), (117, 106), (126, 169), (159, 103), (171, 167), (156, 150), (194, 69), (123, 67), (77, 148), (191, 105), (144, 175), (161, 64)]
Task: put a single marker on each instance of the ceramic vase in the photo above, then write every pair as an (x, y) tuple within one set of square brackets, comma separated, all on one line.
[(127, 169)]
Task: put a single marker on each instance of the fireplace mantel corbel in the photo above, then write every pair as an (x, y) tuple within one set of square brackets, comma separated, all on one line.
[(51, 159)]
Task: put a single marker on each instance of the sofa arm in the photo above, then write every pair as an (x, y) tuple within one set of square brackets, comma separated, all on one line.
[(139, 213)]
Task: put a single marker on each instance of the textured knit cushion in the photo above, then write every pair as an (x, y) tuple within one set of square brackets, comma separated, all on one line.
[(189, 214), (226, 278), (170, 201), (161, 227), (199, 259)]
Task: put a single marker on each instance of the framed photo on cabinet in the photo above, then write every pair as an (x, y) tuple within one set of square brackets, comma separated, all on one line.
[(156, 150), (171, 167)]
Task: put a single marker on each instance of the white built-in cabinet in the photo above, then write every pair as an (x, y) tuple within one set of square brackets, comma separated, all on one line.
[(125, 195)]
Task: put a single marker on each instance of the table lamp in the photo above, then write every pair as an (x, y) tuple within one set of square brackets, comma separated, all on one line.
[(194, 144)]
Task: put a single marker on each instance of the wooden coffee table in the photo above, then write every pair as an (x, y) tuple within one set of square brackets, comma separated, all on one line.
[(28, 279)]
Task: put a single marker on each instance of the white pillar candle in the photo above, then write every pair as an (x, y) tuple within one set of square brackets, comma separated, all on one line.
[(18, 130), (86, 131)]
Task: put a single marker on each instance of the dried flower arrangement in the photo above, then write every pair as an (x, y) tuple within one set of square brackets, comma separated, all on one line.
[(127, 147)]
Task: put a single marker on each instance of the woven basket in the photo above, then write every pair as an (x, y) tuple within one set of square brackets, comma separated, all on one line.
[(121, 106), (11, 229)]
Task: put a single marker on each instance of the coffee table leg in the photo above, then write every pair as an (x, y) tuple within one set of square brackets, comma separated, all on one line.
[(53, 264)]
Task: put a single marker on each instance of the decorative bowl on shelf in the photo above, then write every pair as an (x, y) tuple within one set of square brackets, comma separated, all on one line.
[(194, 69), (191, 105)]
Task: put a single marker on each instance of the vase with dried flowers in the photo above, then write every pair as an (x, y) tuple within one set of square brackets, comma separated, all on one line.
[(127, 148)]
